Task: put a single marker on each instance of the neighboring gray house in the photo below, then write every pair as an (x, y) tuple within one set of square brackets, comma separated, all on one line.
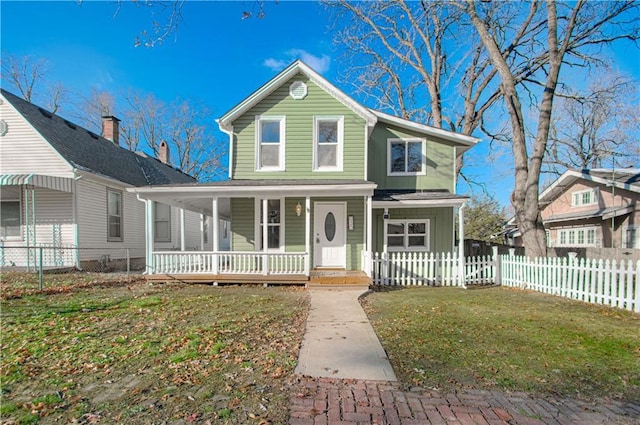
[(64, 187)]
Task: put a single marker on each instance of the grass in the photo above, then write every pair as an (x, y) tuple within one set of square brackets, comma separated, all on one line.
[(508, 339), (150, 354)]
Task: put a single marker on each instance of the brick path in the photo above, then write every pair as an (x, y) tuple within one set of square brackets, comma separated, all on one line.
[(324, 401)]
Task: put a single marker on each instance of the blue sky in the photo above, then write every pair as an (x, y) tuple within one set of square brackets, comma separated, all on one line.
[(215, 57)]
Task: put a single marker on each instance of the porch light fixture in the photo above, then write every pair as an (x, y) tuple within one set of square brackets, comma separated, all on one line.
[(298, 209)]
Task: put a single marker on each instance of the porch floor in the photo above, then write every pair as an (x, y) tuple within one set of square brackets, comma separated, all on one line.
[(323, 277)]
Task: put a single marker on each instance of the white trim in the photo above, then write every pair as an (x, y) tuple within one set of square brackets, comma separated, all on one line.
[(572, 232), (406, 235), (465, 142), (339, 120), (406, 141), (229, 132), (420, 203), (282, 120), (594, 194), (297, 84), (284, 76), (260, 232)]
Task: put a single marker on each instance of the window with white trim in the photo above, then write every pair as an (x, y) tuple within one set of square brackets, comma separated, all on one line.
[(584, 197), (577, 237), (162, 223), (275, 239), (406, 157), (328, 136), (114, 215), (10, 213), (631, 237), (270, 138), (402, 235)]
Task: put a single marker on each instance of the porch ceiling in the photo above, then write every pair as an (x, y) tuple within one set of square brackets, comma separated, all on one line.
[(417, 199), (198, 197)]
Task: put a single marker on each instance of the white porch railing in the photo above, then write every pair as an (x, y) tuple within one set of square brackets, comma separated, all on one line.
[(249, 263)]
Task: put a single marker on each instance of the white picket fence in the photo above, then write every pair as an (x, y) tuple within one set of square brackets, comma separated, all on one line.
[(616, 284), (430, 269)]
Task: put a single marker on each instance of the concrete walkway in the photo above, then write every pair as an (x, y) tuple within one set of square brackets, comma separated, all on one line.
[(347, 379), (339, 341)]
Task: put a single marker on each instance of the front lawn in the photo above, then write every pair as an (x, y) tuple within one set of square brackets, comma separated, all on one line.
[(508, 339), (150, 354)]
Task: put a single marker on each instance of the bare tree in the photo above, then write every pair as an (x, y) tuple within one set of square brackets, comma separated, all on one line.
[(557, 33), (595, 128), (25, 74)]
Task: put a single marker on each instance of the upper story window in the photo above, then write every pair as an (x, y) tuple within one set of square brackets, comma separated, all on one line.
[(406, 157), (114, 215), (162, 223), (328, 136), (402, 235), (10, 213), (270, 135), (584, 197)]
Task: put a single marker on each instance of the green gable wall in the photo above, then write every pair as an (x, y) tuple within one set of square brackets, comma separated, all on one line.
[(440, 223), (440, 161), (299, 135)]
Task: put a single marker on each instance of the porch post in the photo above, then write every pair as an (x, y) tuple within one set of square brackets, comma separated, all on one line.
[(216, 231), (369, 231), (149, 204), (307, 235), (202, 221), (182, 238), (461, 279), (265, 235)]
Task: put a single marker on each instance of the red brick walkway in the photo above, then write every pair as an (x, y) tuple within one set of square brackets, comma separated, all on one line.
[(348, 402)]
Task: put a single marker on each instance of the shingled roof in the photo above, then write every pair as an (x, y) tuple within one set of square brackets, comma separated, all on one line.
[(90, 152)]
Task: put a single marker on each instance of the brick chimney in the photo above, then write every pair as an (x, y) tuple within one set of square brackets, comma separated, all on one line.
[(111, 129), (163, 153)]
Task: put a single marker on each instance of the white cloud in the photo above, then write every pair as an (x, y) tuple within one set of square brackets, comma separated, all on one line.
[(319, 64)]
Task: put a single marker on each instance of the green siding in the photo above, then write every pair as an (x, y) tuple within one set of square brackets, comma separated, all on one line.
[(299, 135), (440, 161), (242, 224), (440, 232)]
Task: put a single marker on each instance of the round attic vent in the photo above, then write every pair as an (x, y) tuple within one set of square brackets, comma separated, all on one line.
[(298, 90), (3, 127)]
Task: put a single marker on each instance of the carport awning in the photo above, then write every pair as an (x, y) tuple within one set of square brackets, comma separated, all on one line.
[(49, 182)]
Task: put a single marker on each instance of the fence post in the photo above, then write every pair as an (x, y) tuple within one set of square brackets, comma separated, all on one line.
[(40, 269), (128, 265), (497, 279)]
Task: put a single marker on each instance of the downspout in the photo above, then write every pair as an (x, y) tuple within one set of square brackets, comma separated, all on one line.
[(76, 227), (228, 131)]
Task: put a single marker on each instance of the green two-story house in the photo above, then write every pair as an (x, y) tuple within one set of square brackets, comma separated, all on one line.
[(316, 182)]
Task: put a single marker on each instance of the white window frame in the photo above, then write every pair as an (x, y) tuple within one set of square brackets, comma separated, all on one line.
[(121, 216), (281, 157), (577, 199), (339, 119), (156, 221), (19, 201), (259, 224), (405, 246), (570, 237), (423, 170)]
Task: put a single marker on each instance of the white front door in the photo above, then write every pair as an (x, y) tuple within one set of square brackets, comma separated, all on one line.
[(330, 234)]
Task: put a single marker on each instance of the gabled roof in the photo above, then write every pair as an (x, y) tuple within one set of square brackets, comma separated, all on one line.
[(297, 67), (86, 151), (623, 178), (369, 115)]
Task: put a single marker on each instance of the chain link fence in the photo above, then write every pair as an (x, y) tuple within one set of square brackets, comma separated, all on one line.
[(43, 266)]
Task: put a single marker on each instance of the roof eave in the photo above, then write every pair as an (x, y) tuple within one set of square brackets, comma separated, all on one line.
[(252, 100)]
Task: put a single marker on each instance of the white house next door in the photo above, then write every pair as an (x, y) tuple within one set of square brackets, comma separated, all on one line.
[(329, 234)]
